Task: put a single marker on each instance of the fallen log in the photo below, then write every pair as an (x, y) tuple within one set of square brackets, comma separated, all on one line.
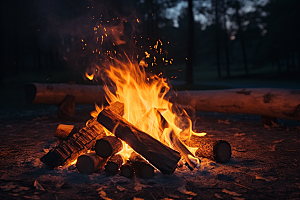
[(141, 167), (127, 170), (90, 163), (113, 164), (216, 150), (277, 103), (38, 93), (79, 143), (159, 155), (108, 146)]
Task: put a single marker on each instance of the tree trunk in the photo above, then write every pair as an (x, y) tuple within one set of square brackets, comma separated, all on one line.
[(226, 40), (278, 103), (189, 80), (77, 144), (159, 155), (217, 42), (240, 31)]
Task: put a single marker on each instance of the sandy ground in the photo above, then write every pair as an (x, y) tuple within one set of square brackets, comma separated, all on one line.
[(264, 165)]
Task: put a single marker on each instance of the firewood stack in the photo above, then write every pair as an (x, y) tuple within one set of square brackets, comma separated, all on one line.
[(148, 154)]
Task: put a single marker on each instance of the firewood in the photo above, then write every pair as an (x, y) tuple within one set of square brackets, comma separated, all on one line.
[(90, 163), (159, 155), (38, 93), (127, 170), (276, 103), (108, 146), (77, 144), (113, 164), (63, 131), (213, 149), (141, 167)]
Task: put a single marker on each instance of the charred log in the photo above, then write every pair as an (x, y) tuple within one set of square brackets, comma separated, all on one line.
[(127, 170), (159, 155), (113, 164), (78, 144), (90, 163), (141, 167), (108, 146)]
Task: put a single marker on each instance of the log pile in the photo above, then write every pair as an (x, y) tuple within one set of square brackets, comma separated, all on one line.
[(148, 154)]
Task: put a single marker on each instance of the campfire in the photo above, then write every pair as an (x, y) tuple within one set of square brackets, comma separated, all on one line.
[(138, 133)]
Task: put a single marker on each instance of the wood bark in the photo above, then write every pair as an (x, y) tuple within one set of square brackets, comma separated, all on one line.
[(108, 146), (90, 163), (141, 167), (127, 170), (213, 149), (159, 155), (277, 103), (113, 164), (38, 93), (69, 150)]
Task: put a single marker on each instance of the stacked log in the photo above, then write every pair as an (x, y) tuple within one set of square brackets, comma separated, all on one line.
[(90, 163), (108, 146), (159, 155), (79, 143), (113, 164)]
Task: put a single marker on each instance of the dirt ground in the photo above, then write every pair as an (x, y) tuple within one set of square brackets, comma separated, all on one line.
[(264, 165)]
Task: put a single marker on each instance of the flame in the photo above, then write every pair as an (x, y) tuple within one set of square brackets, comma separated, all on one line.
[(90, 77), (144, 102)]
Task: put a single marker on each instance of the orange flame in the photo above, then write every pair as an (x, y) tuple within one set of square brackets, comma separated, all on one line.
[(143, 96)]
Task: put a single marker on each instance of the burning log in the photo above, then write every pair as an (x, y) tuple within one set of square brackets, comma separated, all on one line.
[(108, 146), (141, 167), (77, 144), (276, 103), (38, 93), (90, 163), (217, 150), (159, 155), (63, 131), (113, 164), (127, 170)]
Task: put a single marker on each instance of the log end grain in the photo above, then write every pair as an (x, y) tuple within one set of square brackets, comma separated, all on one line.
[(127, 171), (222, 151), (89, 163)]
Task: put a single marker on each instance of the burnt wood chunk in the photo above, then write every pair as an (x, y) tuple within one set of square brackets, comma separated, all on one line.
[(77, 144), (159, 155), (108, 146), (90, 163), (113, 164), (127, 170), (141, 167), (216, 150)]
